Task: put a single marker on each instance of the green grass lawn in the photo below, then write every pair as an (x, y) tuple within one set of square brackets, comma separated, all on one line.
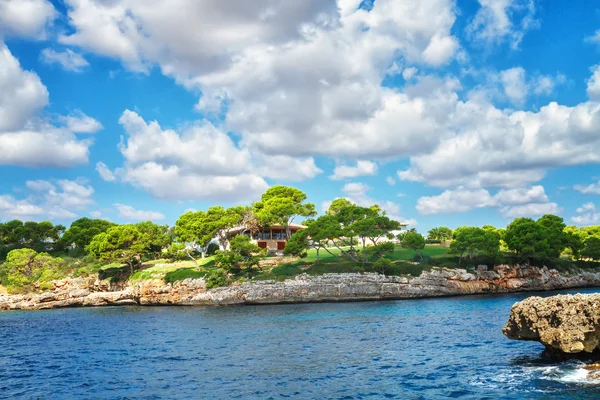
[(328, 263), (398, 254)]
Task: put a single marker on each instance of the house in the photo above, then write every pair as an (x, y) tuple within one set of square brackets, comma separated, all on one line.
[(272, 237)]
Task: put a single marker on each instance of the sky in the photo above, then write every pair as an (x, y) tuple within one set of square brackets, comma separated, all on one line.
[(443, 112)]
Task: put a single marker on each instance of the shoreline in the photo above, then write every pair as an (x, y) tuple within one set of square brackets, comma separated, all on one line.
[(327, 288)]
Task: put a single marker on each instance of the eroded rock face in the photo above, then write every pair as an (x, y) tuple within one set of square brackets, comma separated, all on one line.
[(568, 325), (304, 288)]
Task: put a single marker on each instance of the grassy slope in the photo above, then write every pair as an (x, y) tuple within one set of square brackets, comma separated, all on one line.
[(328, 263)]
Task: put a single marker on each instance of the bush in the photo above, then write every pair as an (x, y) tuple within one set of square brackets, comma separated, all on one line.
[(23, 267), (216, 278), (382, 266), (212, 249), (403, 268)]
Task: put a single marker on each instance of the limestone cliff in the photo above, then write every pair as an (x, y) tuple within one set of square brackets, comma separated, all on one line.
[(568, 325), (328, 287)]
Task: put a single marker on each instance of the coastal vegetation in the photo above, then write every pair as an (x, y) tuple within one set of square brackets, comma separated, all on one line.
[(217, 245)]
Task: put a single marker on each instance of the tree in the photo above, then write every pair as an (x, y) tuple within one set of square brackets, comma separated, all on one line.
[(539, 240), (122, 243), (554, 233), (242, 253), (469, 240), (201, 227), (157, 236), (592, 248), (412, 240), (441, 233), (527, 238), (317, 235), (337, 205), (82, 231), (281, 205), (25, 266)]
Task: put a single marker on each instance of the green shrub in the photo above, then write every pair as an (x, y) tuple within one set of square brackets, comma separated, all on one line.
[(212, 249), (403, 269), (382, 266), (216, 278)]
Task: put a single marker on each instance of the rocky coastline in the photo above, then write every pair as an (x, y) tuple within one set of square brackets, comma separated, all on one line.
[(89, 292)]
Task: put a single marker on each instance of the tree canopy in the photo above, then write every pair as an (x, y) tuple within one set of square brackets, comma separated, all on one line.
[(471, 241), (537, 240), (82, 231), (412, 240), (441, 233), (122, 243), (281, 205)]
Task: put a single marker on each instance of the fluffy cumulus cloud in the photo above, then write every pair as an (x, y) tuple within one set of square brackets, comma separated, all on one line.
[(587, 215), (196, 162), (362, 168), (487, 146), (68, 59), (55, 200), (27, 18), (128, 212), (512, 203), (295, 79), (25, 138), (498, 21), (593, 84)]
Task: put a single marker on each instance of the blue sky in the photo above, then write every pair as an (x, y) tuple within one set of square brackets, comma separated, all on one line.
[(444, 112)]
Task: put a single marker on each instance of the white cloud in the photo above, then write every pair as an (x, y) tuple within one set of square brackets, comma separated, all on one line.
[(595, 38), (197, 162), (131, 213), (587, 215), (593, 84), (280, 70), (530, 210), (96, 214), (484, 143), (54, 200), (22, 93), (503, 20), (390, 181), (362, 168), (450, 201), (68, 59), (511, 202), (409, 73), (80, 123), (593, 188), (105, 173), (24, 139), (521, 196), (545, 84), (515, 87), (28, 18), (282, 167)]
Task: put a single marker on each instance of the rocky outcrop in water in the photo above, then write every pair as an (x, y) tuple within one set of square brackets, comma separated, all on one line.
[(568, 325), (304, 288)]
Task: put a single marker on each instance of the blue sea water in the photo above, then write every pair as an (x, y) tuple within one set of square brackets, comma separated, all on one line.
[(413, 349)]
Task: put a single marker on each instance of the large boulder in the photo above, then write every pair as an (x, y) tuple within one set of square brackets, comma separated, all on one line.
[(568, 325)]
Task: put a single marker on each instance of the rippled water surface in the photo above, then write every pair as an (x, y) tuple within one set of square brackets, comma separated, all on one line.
[(416, 349)]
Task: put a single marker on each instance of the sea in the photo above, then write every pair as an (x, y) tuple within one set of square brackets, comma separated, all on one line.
[(442, 348)]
